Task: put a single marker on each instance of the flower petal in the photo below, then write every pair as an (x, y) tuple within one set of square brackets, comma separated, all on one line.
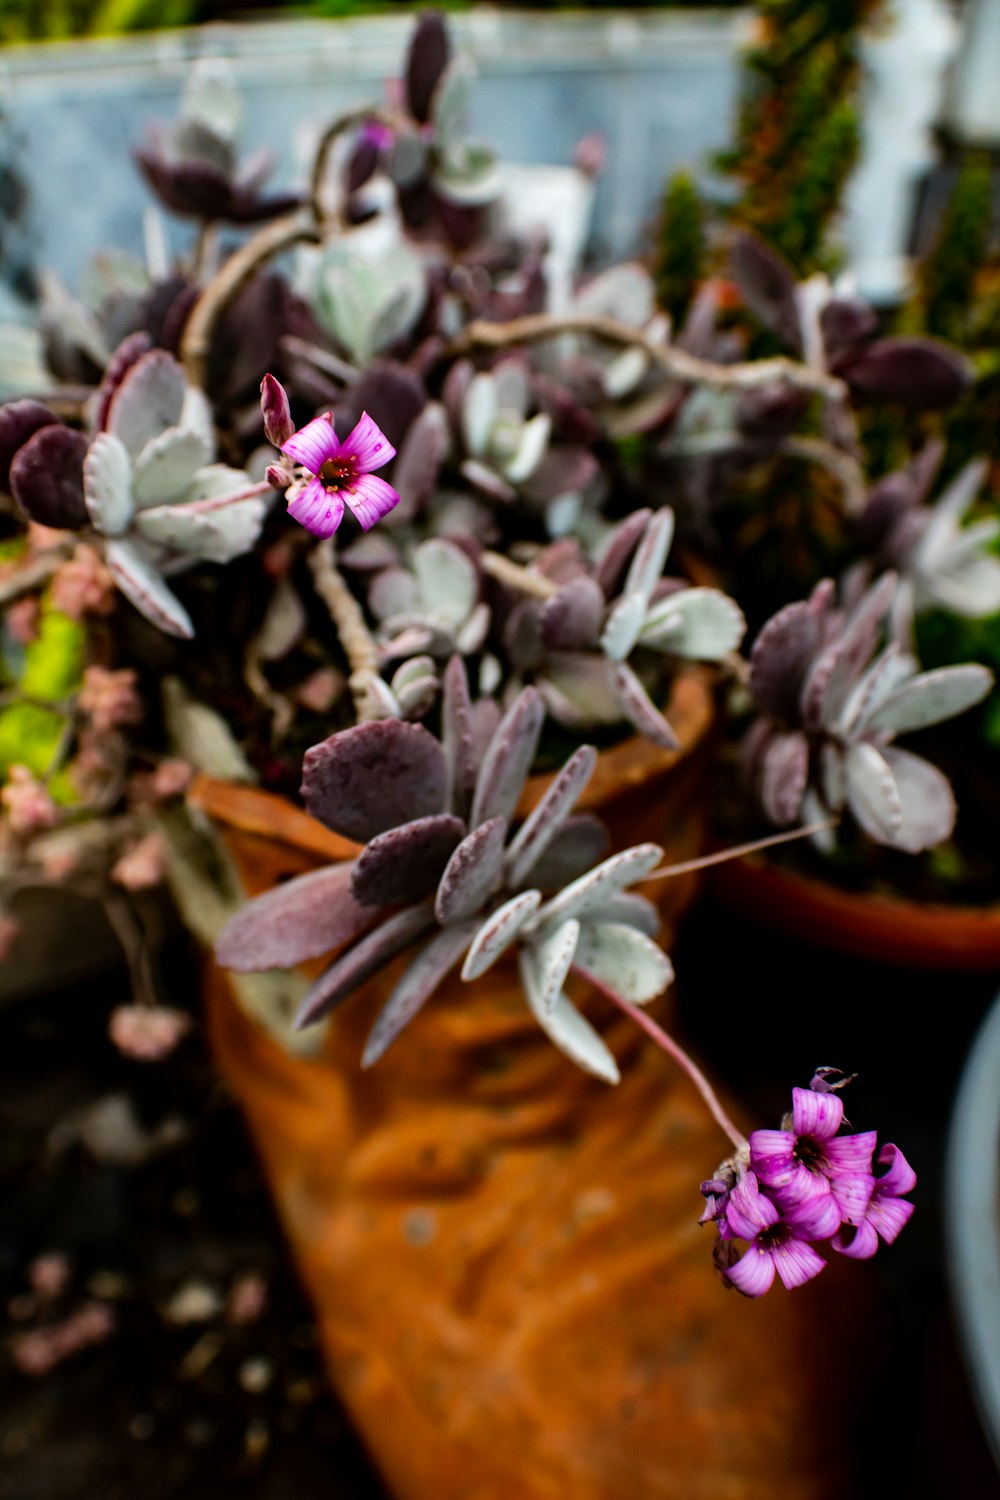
[(318, 509), (368, 445), (772, 1156), (313, 444), (749, 1211), (900, 1178), (851, 1154), (370, 498), (753, 1273), (818, 1115), (889, 1216), (859, 1244), (796, 1262), (817, 1215)]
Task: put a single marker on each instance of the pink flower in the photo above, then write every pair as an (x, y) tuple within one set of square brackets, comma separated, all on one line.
[(812, 1172), (339, 473), (775, 1246), (83, 585), (887, 1213)]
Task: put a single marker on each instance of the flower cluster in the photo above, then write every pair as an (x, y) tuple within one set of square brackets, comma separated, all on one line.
[(801, 1185)]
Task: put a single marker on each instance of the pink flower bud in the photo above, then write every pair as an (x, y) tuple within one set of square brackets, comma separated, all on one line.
[(277, 413), (147, 1033), (22, 620)]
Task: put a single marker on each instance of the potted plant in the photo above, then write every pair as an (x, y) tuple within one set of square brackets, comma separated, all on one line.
[(459, 622)]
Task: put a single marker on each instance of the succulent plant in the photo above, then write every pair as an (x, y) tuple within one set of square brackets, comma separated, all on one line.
[(431, 606), (832, 704), (446, 865), (941, 563)]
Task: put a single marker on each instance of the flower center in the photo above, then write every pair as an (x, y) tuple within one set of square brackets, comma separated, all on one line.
[(338, 474), (810, 1154)]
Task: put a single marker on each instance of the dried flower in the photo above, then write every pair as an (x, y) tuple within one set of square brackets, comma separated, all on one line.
[(142, 865), (147, 1033), (338, 472), (22, 620), (83, 585), (109, 698)]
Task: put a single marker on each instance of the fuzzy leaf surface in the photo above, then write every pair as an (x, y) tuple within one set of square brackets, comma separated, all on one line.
[(563, 1024), (549, 816), (497, 933), (508, 759), (623, 960), (139, 581), (425, 972), (303, 918), (372, 777), (363, 959), (473, 873)]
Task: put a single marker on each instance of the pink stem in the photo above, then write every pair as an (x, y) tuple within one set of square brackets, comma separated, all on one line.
[(724, 855), (218, 502), (680, 1057)]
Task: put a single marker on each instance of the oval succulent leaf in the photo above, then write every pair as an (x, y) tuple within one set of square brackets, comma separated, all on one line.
[(549, 816), (473, 873), (508, 759), (618, 550), (216, 535), (571, 619), (782, 653), (143, 587), (167, 465), (456, 737), (871, 793), (926, 800), (624, 960), (498, 932), (640, 710), (650, 556), (920, 373), (577, 846), (768, 286), (553, 955), (621, 630), (930, 698), (629, 909), (783, 773), (363, 959), (46, 478), (107, 472), (563, 1024), (426, 971), (590, 890), (149, 400), (372, 777), (701, 624), (19, 420), (404, 864), (303, 918), (447, 580)]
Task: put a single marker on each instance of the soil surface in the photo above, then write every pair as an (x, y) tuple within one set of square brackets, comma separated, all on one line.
[(131, 1189)]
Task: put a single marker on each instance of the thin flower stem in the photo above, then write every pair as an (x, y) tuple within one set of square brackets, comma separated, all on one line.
[(355, 637), (675, 362), (272, 240), (675, 1051), (525, 580), (739, 850)]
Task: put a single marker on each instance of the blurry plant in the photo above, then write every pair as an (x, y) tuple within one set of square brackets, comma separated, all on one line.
[(680, 247)]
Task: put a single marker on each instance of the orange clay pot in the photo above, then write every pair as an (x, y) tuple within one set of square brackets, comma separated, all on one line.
[(514, 1296)]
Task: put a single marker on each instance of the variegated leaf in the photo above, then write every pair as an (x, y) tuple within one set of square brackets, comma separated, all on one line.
[(149, 400), (623, 960), (167, 465), (425, 972), (930, 698), (650, 556), (498, 932)]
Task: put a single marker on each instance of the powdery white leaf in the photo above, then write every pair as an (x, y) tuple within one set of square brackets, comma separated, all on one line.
[(167, 465), (548, 817), (926, 799), (552, 959), (423, 975), (139, 581), (889, 669), (216, 535), (650, 556), (588, 892), (470, 637), (498, 932), (563, 1024), (303, 918), (472, 874), (621, 630), (630, 909), (581, 690), (624, 960), (479, 412), (640, 710), (871, 793), (711, 625), (148, 401), (531, 446), (447, 580), (107, 473), (930, 698)]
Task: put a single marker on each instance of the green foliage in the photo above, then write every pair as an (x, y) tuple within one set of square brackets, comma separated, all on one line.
[(55, 20), (943, 639), (680, 258), (49, 672), (948, 274)]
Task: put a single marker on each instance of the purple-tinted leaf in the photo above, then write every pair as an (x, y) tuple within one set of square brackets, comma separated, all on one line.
[(107, 475), (641, 711), (920, 373), (139, 581), (770, 411), (549, 816), (844, 323), (362, 960), (926, 801), (871, 793), (456, 737), (415, 472), (508, 759), (783, 771), (783, 651), (425, 972), (576, 848), (303, 918), (365, 780), (624, 960), (498, 931), (392, 395), (522, 636), (571, 619), (46, 478), (571, 1032), (931, 698), (622, 627), (768, 287), (835, 672), (618, 551), (425, 64), (19, 420), (562, 470), (552, 957), (473, 873), (649, 558), (404, 864)]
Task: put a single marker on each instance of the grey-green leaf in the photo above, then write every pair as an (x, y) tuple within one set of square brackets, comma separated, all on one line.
[(623, 960)]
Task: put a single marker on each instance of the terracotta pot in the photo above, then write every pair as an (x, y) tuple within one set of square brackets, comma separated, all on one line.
[(514, 1296), (888, 929)]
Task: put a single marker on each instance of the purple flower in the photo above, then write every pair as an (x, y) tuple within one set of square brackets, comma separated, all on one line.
[(338, 473), (887, 1211), (776, 1246), (812, 1173)]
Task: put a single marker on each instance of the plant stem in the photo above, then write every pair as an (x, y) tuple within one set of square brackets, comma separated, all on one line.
[(326, 143), (675, 1051), (739, 850), (525, 580), (355, 637), (671, 360), (272, 240)]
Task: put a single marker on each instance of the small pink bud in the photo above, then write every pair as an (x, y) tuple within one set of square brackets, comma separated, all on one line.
[(277, 413), (49, 1274), (147, 1033), (141, 866), (247, 1298)]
